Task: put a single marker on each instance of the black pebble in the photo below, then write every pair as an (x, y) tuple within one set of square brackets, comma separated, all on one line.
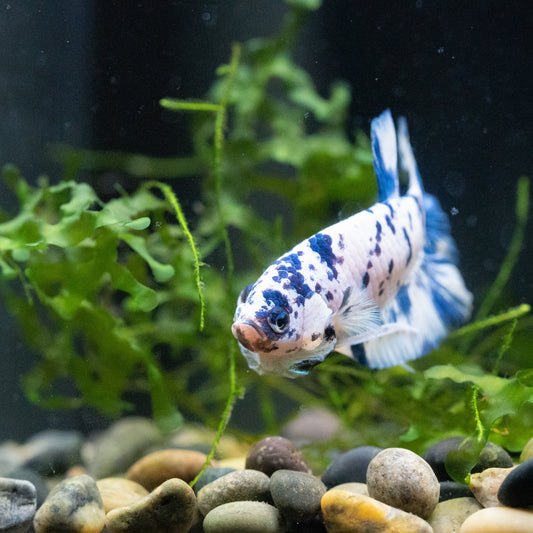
[(492, 456), (349, 467), (516, 489), (450, 490)]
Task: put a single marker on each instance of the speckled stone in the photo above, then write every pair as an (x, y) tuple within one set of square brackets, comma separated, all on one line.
[(492, 456), (499, 520), (240, 485), (17, 505), (276, 453), (155, 468), (485, 485), (312, 425), (210, 474), (296, 495), (450, 514), (516, 490), (73, 506), (117, 448), (403, 479), (450, 490), (243, 517), (346, 512), (167, 509), (350, 466), (52, 452), (119, 492)]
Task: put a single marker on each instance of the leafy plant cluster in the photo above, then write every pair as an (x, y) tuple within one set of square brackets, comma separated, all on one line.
[(119, 298)]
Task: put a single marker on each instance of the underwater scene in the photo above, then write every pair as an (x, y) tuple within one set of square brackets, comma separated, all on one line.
[(266, 267)]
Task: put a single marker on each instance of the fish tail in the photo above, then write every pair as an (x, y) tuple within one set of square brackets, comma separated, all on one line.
[(435, 299), (407, 161)]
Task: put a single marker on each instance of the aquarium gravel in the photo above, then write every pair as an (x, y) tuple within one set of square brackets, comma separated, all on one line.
[(265, 486)]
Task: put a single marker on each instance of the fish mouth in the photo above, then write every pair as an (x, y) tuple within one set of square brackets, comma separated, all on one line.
[(249, 334)]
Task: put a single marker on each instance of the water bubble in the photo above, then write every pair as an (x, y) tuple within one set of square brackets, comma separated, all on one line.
[(454, 211), (440, 50)]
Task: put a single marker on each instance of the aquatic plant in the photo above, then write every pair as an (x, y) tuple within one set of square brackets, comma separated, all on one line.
[(127, 297)]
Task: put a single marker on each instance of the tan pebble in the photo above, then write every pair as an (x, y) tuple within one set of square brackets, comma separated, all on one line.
[(119, 492), (354, 487), (485, 485), (170, 508), (155, 468), (76, 470), (239, 463), (499, 520), (72, 506), (346, 512), (450, 514)]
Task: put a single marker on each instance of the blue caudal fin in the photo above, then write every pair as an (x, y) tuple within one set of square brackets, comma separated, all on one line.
[(434, 300), (384, 148)]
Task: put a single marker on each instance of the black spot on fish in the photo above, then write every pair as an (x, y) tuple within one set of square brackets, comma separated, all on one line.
[(318, 288), (410, 254), (391, 266), (329, 333), (358, 352), (391, 209), (404, 300), (390, 224), (341, 242), (321, 244), (315, 336), (329, 296), (378, 231), (297, 283), (377, 250), (244, 293), (366, 279), (369, 265), (381, 283), (381, 291)]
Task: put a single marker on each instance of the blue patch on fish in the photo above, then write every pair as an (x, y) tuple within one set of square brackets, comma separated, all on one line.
[(381, 287)]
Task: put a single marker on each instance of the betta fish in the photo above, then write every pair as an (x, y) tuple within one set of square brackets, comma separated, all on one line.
[(381, 286)]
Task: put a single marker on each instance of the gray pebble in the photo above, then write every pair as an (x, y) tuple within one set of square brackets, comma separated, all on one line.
[(52, 452), (33, 477), (312, 425), (450, 514), (276, 453), (240, 485), (120, 446), (296, 495), (73, 506), (243, 517), (17, 505), (402, 479)]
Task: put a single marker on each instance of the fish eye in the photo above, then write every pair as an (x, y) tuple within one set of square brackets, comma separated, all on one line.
[(278, 319)]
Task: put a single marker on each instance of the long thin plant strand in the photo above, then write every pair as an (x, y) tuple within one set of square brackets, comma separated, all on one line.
[(173, 200)]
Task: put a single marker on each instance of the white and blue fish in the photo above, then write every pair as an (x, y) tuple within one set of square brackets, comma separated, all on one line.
[(381, 286)]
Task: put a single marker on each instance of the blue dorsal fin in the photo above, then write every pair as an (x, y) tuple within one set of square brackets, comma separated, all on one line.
[(383, 135)]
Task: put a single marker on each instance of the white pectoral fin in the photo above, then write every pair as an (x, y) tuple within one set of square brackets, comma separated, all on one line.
[(345, 347)]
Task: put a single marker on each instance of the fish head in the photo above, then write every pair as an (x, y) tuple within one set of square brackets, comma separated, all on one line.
[(280, 332)]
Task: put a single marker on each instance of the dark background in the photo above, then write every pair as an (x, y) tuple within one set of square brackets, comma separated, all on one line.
[(90, 74)]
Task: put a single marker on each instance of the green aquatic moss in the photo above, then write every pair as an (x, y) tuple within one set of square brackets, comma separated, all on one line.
[(130, 297)]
